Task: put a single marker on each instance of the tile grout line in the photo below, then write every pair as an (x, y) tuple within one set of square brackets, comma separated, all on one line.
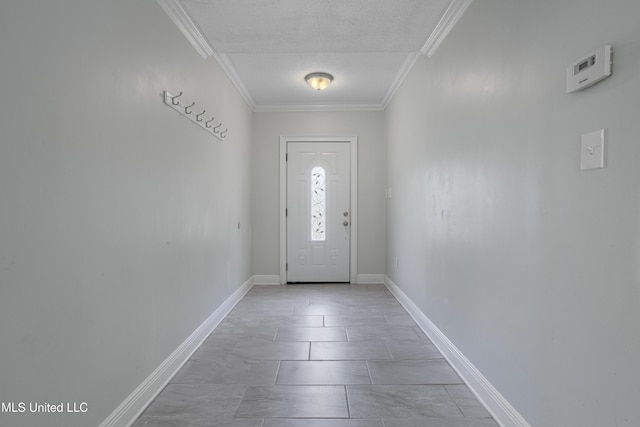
[(386, 343), (366, 362), (275, 380), (261, 421), (346, 397), (453, 400)]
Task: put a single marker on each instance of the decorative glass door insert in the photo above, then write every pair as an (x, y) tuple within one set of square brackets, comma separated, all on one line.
[(318, 204)]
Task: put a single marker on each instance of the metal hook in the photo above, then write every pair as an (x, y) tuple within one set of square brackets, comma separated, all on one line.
[(186, 109), (198, 119), (209, 121), (222, 134), (174, 97), (216, 127)]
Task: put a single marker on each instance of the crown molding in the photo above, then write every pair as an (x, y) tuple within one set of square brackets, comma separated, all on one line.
[(408, 64), (187, 26), (230, 71), (411, 60), (181, 18), (284, 108), (191, 31), (446, 23)]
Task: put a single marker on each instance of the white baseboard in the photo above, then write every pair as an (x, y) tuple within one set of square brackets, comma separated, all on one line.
[(370, 279), (131, 408), (266, 280), (501, 410), (364, 279)]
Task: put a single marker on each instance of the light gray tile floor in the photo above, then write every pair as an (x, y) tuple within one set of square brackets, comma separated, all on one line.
[(323, 372), (316, 356), (311, 334)]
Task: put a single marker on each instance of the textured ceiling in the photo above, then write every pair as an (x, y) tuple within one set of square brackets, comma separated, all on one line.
[(267, 47), (316, 26)]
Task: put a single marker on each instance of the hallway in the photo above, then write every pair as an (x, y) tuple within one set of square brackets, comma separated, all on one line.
[(317, 356)]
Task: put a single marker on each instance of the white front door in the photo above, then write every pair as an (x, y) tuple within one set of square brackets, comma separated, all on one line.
[(318, 211)]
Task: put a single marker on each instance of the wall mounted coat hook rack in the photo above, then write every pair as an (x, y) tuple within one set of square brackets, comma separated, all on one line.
[(188, 107), (173, 99), (187, 111)]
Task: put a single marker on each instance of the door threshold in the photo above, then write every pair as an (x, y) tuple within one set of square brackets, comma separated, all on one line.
[(318, 283)]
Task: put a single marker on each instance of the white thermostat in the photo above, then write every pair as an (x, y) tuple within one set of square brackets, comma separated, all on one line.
[(589, 70)]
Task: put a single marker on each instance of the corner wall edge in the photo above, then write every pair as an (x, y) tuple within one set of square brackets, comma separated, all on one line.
[(501, 410), (131, 408)]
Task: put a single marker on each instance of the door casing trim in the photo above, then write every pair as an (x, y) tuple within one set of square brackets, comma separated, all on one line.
[(353, 251)]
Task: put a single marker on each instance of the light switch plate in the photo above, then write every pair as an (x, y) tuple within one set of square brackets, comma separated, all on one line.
[(592, 150)]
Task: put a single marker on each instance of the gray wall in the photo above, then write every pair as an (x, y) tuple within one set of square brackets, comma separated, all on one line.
[(267, 129), (118, 217), (527, 264)]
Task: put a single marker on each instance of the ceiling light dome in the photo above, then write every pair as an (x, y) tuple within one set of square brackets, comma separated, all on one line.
[(319, 81)]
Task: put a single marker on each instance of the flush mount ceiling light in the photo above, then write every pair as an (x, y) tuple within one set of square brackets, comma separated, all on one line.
[(319, 81)]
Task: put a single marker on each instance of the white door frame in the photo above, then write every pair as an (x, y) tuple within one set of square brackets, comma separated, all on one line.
[(353, 255)]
